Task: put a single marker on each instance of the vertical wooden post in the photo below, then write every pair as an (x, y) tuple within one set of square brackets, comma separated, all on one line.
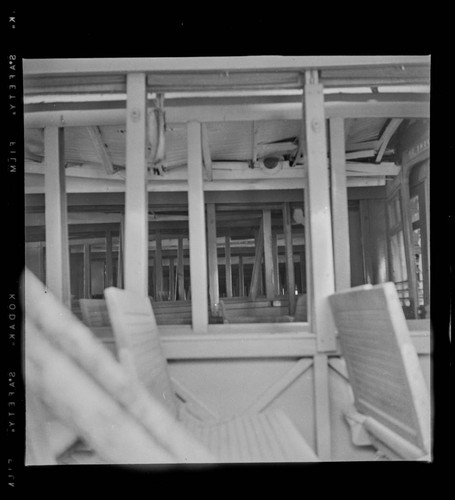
[(87, 272), (171, 279), (318, 242), (158, 266), (196, 213), (241, 277), (180, 270), (56, 231), (339, 196), (228, 260), (290, 278), (268, 257), (109, 278), (121, 252), (136, 199), (302, 266), (257, 266), (275, 264), (318, 216), (409, 243), (321, 404), (214, 289)]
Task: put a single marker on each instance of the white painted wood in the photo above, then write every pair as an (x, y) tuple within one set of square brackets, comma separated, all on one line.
[(339, 197), (158, 266), (268, 254), (56, 227), (322, 406), (228, 265), (196, 212), (136, 199), (101, 150), (318, 218), (206, 152), (273, 391), (290, 278), (234, 112), (386, 136), (212, 258)]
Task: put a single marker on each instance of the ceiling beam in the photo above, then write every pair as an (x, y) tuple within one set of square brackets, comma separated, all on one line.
[(391, 128)]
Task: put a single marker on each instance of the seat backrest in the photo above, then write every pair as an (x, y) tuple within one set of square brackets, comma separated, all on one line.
[(94, 312), (81, 384), (383, 366), (137, 337)]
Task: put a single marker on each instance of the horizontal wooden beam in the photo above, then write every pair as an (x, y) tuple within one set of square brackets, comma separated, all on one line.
[(207, 112)]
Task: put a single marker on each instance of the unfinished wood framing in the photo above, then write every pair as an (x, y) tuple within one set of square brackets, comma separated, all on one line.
[(56, 228), (196, 213), (228, 264), (268, 254), (317, 216), (136, 198), (290, 278), (338, 191), (212, 258)]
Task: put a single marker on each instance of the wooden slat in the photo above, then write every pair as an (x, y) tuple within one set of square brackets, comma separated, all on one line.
[(382, 363), (95, 135), (338, 191), (136, 199), (241, 278), (56, 228), (196, 212), (180, 270), (171, 278), (109, 275), (87, 278), (318, 215), (257, 267)]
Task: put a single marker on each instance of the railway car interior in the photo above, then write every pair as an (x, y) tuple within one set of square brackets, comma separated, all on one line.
[(233, 202)]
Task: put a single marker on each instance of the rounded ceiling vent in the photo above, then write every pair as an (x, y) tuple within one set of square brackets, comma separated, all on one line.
[(271, 162)]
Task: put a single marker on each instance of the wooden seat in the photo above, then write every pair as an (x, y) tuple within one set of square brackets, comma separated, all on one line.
[(390, 395), (71, 379), (269, 436)]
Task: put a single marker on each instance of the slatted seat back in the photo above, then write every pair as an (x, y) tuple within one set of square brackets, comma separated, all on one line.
[(94, 312), (70, 373), (382, 363), (136, 334)]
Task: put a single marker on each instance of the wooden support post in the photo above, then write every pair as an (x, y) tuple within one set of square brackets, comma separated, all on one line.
[(321, 404), (409, 243), (180, 270), (228, 264), (171, 279), (206, 152), (136, 198), (121, 252), (196, 213), (268, 254), (338, 191), (276, 265), (241, 278), (87, 272), (290, 278), (212, 251), (109, 276), (317, 216), (302, 266), (257, 266), (158, 266), (56, 223)]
